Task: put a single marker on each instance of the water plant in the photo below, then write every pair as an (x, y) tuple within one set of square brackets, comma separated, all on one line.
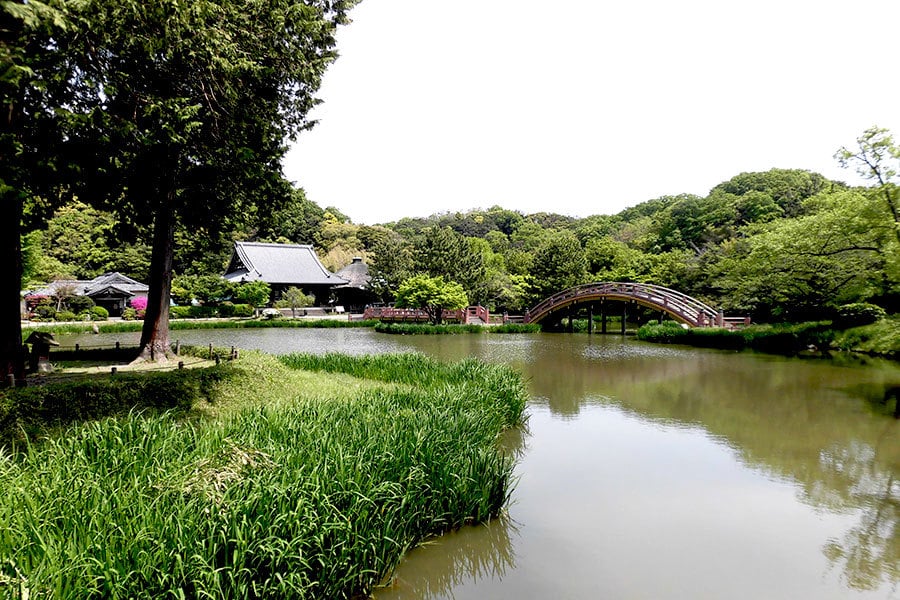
[(305, 481)]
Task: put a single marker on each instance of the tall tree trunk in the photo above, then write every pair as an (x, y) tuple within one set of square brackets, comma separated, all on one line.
[(155, 333), (11, 357)]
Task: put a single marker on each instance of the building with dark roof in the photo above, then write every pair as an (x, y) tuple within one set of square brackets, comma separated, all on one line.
[(356, 293), (112, 291), (282, 266)]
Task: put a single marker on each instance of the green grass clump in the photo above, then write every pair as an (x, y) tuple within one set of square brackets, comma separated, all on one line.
[(297, 484), (451, 329)]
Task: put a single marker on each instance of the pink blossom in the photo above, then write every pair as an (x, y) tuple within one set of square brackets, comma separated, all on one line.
[(139, 303)]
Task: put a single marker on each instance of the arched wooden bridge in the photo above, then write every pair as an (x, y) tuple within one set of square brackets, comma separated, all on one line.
[(681, 307)]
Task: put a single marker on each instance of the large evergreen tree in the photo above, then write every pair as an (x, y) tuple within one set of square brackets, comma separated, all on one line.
[(186, 104)]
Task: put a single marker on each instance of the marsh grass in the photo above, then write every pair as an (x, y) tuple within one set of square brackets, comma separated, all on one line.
[(302, 481), (786, 338)]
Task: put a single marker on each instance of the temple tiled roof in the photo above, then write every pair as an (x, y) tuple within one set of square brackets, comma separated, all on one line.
[(287, 264), (356, 274), (126, 286)]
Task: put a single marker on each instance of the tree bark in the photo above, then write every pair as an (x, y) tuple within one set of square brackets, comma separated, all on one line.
[(155, 333), (11, 357)]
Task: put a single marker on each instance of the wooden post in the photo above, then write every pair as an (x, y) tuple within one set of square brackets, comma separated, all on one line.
[(210, 351), (571, 328), (11, 380), (180, 364), (603, 317), (217, 358), (624, 316), (661, 315), (177, 347), (77, 346), (590, 318), (113, 371), (118, 346)]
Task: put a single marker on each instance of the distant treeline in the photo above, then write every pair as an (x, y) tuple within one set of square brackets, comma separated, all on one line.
[(780, 245)]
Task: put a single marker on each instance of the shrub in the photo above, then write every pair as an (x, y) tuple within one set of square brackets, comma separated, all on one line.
[(129, 314), (45, 311), (242, 310), (98, 313), (226, 309), (139, 303), (84, 315), (80, 304), (66, 315), (667, 332), (179, 312), (858, 314), (202, 312)]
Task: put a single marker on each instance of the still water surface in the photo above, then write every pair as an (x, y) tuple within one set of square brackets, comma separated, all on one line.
[(660, 472)]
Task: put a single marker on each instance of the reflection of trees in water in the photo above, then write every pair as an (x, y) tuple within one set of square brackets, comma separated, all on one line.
[(464, 559), (869, 553), (796, 419)]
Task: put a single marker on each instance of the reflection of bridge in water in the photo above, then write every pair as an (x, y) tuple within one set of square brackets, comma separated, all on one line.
[(681, 307)]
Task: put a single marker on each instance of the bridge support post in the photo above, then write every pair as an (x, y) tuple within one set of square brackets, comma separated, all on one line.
[(590, 318), (624, 316), (603, 317), (571, 328)]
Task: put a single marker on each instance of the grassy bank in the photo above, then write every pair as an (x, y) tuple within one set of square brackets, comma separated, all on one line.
[(305, 478), (451, 329), (777, 339), (881, 338), (178, 324)]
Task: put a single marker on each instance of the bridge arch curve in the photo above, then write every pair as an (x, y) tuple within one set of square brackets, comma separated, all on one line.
[(681, 307)]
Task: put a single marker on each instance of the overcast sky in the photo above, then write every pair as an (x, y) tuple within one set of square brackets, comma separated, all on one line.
[(589, 106)]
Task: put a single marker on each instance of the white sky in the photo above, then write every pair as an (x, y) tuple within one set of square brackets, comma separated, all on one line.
[(586, 107)]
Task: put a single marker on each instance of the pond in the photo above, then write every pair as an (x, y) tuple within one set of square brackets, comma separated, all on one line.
[(661, 472)]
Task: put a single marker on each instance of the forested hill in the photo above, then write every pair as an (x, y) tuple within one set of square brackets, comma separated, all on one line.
[(778, 245)]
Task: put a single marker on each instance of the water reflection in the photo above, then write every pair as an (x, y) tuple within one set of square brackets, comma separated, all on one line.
[(455, 560)]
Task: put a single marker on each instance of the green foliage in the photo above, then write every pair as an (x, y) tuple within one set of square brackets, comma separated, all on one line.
[(858, 314), (559, 263), (294, 298), (421, 329), (130, 314), (178, 312), (66, 315), (98, 313), (775, 339), (667, 332), (442, 252), (78, 304), (881, 338), (208, 289), (254, 293), (432, 294), (202, 312)]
